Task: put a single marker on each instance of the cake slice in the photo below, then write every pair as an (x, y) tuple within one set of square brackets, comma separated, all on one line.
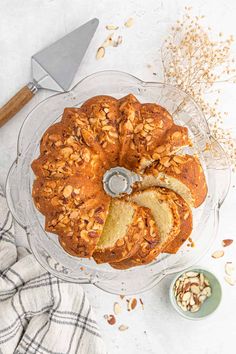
[(186, 225), (164, 211), (126, 227), (181, 173)]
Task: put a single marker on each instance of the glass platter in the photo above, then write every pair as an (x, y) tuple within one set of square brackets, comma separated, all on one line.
[(45, 246)]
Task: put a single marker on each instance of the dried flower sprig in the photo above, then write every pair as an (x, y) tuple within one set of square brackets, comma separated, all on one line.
[(196, 63)]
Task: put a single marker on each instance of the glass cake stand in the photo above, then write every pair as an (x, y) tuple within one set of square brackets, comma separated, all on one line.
[(45, 246)]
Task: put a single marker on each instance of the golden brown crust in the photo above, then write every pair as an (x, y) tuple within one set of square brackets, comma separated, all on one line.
[(147, 250), (75, 209), (72, 159), (185, 168), (186, 225), (76, 152), (128, 245), (103, 117), (147, 132)]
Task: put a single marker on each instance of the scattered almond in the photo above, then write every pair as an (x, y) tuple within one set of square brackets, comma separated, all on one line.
[(230, 280), (110, 319), (227, 242), (108, 41), (218, 254), (112, 27), (117, 308), (229, 268), (129, 22), (100, 53), (117, 42), (133, 304), (123, 327), (141, 302)]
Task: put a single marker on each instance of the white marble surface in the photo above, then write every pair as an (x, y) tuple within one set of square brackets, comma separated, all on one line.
[(26, 26)]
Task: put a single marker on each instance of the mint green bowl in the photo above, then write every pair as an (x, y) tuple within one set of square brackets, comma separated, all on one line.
[(209, 306)]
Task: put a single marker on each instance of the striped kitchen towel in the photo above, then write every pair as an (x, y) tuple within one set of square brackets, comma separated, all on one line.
[(40, 314)]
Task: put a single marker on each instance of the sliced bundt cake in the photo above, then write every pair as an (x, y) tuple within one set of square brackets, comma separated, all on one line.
[(169, 242), (68, 190), (181, 173), (186, 225), (127, 227), (167, 219)]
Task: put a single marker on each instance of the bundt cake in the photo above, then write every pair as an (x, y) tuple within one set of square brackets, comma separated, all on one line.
[(128, 230)]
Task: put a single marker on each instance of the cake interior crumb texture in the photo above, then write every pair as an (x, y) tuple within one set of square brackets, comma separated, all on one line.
[(119, 218)]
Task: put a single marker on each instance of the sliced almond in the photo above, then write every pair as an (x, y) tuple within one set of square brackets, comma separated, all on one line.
[(117, 308), (123, 328), (230, 280), (129, 23), (202, 279), (67, 191), (229, 268), (192, 302), (218, 254), (117, 42), (182, 306), (195, 308), (194, 280), (141, 302), (131, 304), (227, 242), (191, 274), (112, 27), (110, 319), (206, 291), (202, 298), (195, 289), (108, 41), (186, 296), (100, 53)]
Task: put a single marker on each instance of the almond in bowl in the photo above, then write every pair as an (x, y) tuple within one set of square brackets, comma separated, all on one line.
[(195, 293)]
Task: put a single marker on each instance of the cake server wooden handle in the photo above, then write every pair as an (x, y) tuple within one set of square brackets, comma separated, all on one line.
[(17, 102)]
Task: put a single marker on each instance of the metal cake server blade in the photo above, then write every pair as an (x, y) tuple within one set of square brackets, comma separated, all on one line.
[(53, 68)]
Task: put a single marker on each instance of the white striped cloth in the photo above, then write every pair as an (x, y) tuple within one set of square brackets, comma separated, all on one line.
[(40, 314)]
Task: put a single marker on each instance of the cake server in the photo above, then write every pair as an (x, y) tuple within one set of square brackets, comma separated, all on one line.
[(53, 68)]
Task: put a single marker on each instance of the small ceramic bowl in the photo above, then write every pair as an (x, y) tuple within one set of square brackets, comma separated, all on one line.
[(210, 304)]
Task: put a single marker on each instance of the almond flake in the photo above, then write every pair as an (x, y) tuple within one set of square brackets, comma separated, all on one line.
[(227, 242), (133, 303), (100, 53), (117, 308), (129, 22), (141, 302), (229, 268), (118, 41), (123, 327), (108, 41), (112, 27), (110, 319), (217, 254), (191, 274), (230, 280)]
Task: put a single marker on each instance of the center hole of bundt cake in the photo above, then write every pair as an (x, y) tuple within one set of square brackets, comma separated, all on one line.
[(119, 180)]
